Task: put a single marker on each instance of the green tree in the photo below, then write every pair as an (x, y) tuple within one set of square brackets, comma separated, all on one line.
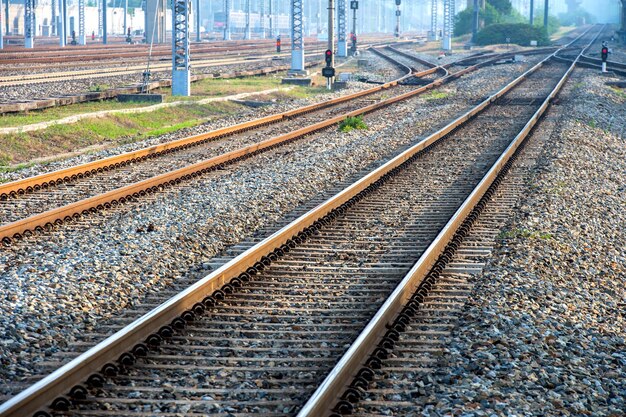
[(464, 21)]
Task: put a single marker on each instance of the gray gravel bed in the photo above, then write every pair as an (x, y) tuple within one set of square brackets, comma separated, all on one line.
[(58, 287), (68, 87), (545, 332)]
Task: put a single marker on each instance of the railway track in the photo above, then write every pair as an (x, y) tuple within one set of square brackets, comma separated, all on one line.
[(588, 61), (39, 203), (403, 341), (258, 335), (200, 61)]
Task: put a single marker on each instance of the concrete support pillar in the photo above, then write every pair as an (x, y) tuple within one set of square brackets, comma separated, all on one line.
[(181, 83), (532, 12), (342, 45), (29, 23), (297, 38), (331, 30), (82, 36), (104, 21)]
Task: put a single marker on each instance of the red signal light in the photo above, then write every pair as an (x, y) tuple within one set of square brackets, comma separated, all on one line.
[(328, 57)]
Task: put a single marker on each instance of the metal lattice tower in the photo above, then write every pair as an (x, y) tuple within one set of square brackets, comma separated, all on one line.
[(29, 23), (342, 45), (82, 40), (227, 20), (246, 34), (297, 40), (447, 36), (433, 36), (180, 48)]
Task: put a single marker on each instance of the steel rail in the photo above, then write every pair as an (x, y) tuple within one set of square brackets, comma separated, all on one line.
[(73, 211), (93, 360), (334, 385), (22, 186)]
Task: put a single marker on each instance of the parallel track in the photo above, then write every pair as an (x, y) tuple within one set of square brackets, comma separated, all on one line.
[(260, 333), (423, 306), (38, 203)]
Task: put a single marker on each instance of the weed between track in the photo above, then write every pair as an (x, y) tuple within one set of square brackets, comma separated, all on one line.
[(352, 123)]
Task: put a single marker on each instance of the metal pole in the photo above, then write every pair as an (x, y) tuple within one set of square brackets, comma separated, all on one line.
[(532, 12), (53, 21), (297, 40), (227, 20), (29, 15), (271, 19), (125, 17), (1, 36), (433, 36), (7, 17), (64, 27), (197, 20), (82, 38), (545, 15), (342, 47), (180, 48), (331, 38), (446, 42), (354, 27), (262, 18), (246, 34), (104, 21), (475, 23)]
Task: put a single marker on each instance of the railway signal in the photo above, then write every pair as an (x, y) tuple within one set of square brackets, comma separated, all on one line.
[(328, 71), (278, 44), (605, 55)]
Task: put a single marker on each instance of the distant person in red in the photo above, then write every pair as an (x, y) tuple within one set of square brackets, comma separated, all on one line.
[(93, 35)]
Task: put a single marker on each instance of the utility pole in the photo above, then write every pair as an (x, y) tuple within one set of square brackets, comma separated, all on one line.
[(180, 48), (330, 61), (432, 35), (262, 18), (227, 20), (297, 40), (545, 15), (29, 17), (532, 12), (125, 17), (398, 12), (271, 19), (6, 15), (104, 21), (1, 36), (82, 38), (53, 20), (342, 47), (354, 5), (198, 39), (246, 34), (475, 22)]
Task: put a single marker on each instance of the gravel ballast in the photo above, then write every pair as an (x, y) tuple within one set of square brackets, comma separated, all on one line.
[(544, 332), (58, 287)]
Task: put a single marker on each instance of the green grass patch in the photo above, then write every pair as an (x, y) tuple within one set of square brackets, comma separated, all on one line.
[(525, 234), (620, 92), (436, 95), (96, 88), (352, 123), (112, 130)]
